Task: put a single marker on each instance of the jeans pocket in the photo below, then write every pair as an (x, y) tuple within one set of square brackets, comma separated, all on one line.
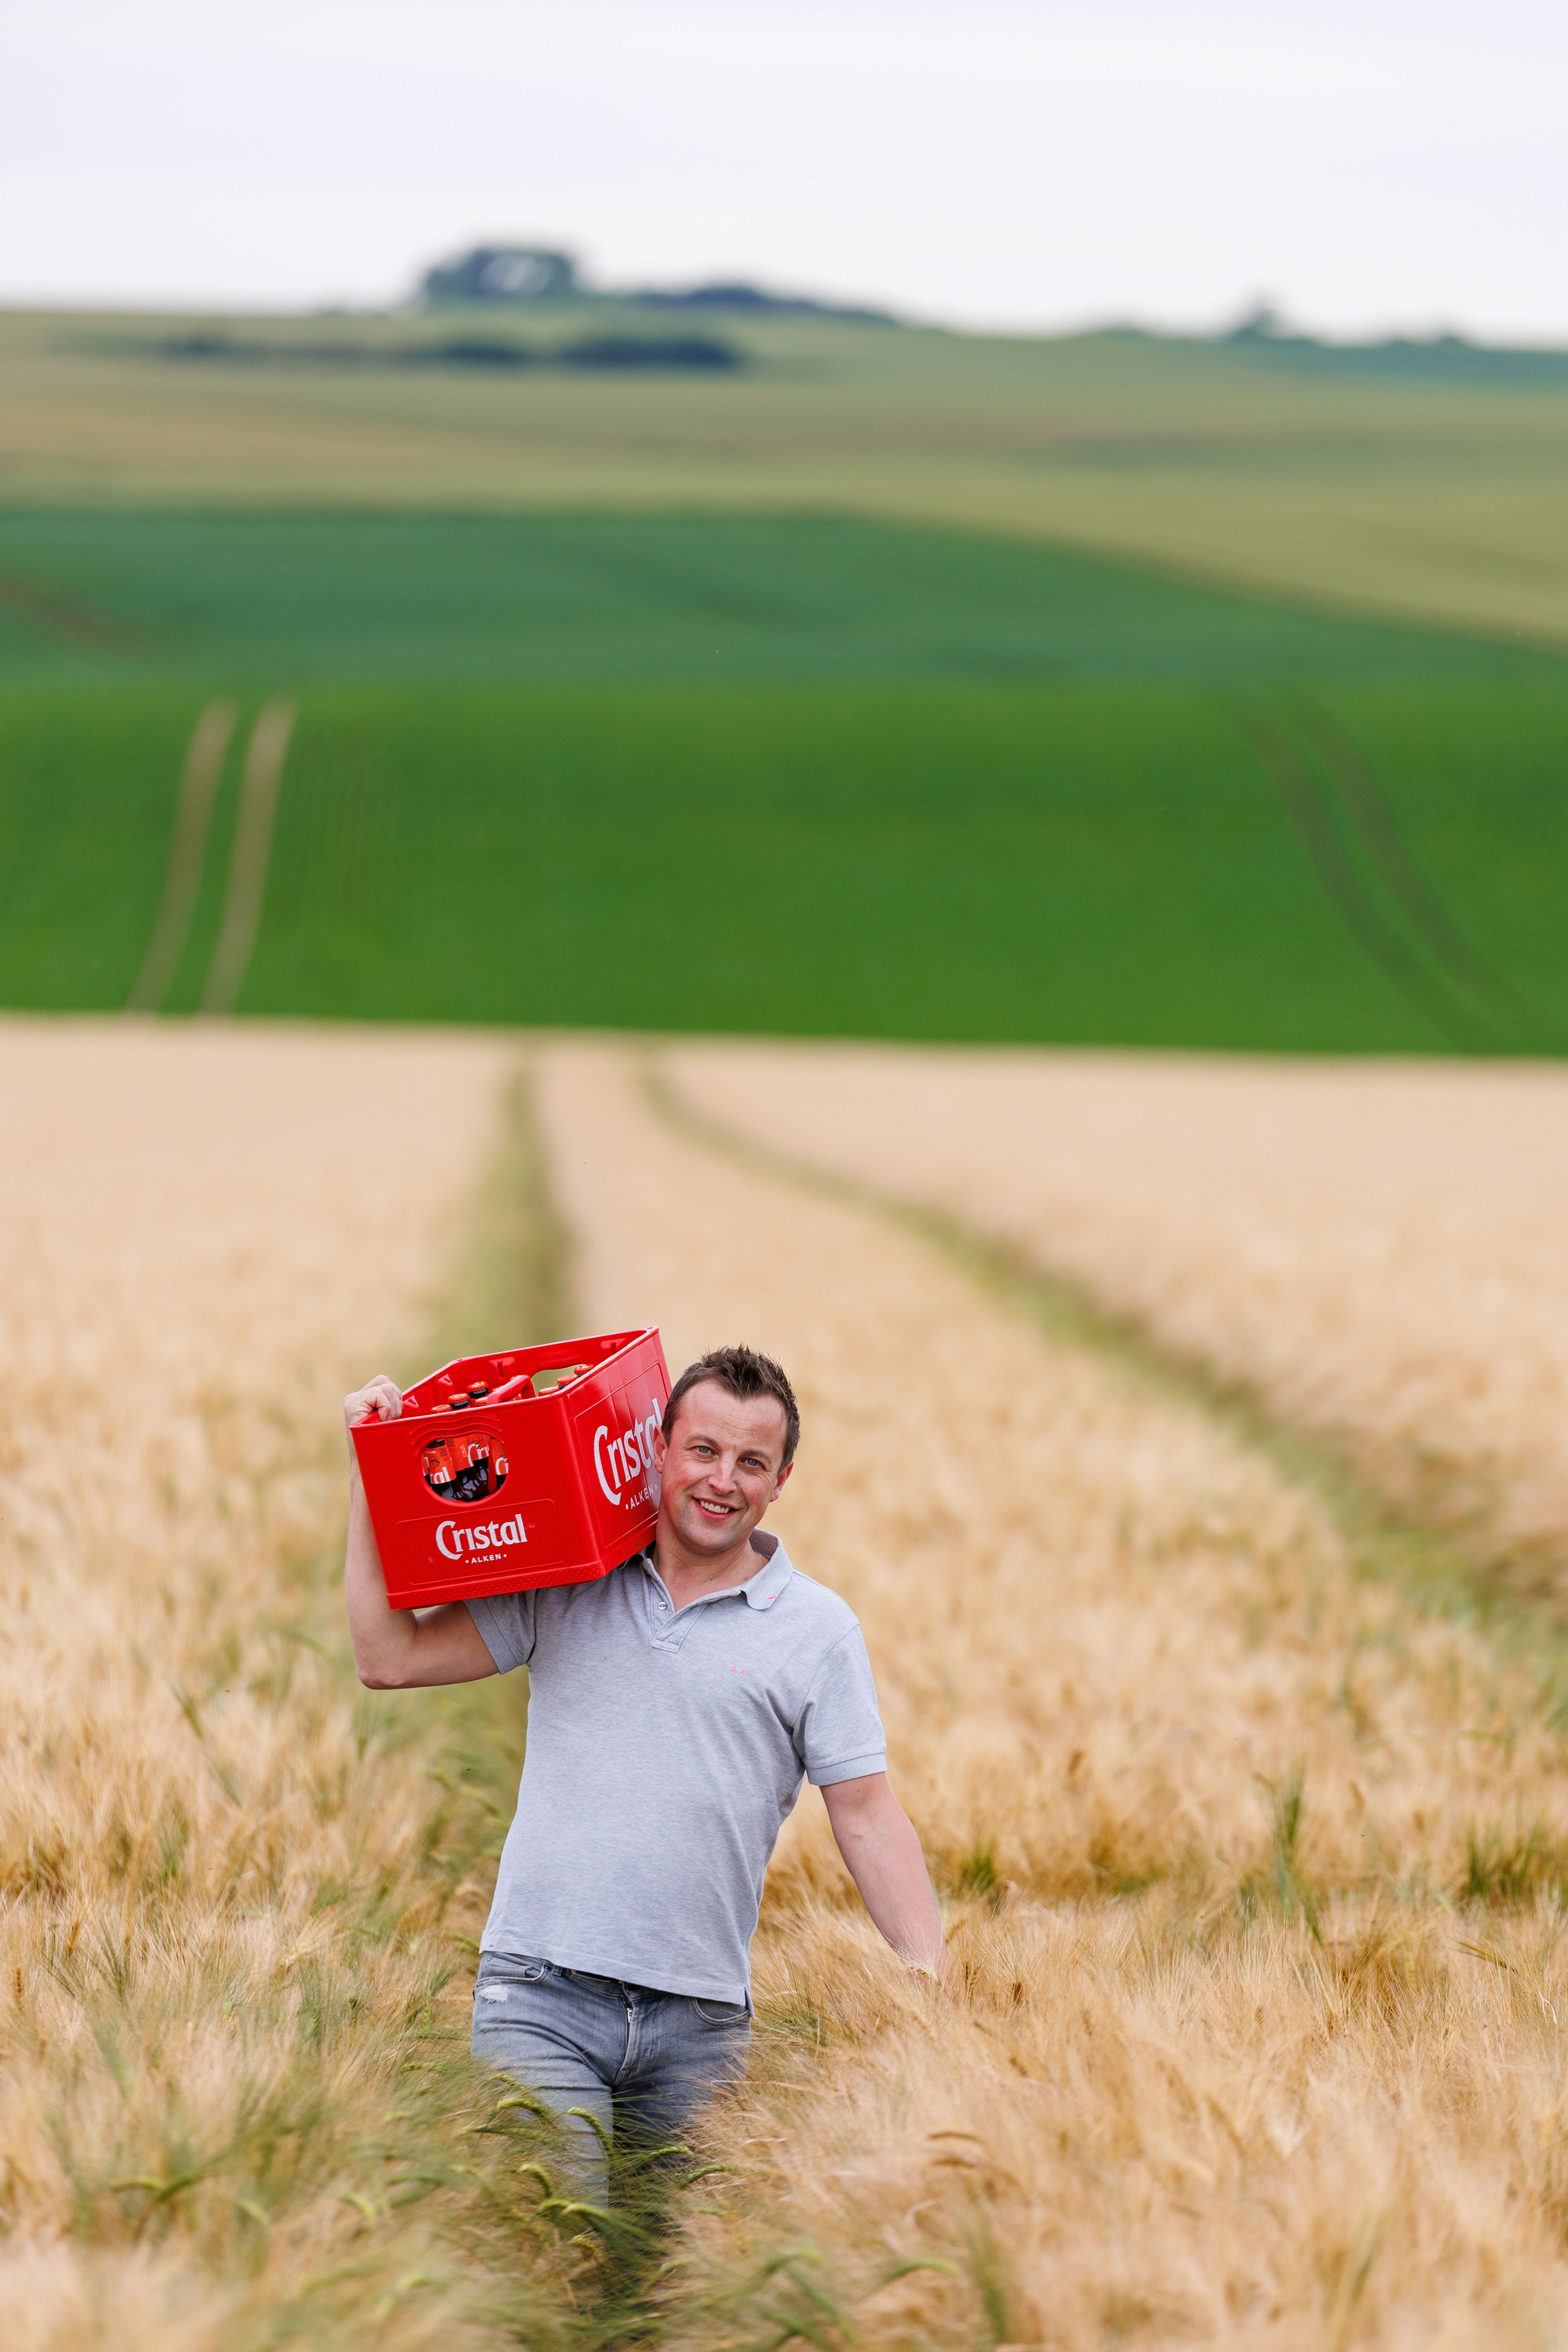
[(500, 1969), (722, 2012)]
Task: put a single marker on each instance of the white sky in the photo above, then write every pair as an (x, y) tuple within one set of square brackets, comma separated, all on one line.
[(1019, 162)]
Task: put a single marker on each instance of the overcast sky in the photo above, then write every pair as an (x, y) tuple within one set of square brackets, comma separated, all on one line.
[(1018, 163)]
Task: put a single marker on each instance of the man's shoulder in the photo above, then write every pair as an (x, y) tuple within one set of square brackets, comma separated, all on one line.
[(547, 1602), (591, 1591), (813, 1611)]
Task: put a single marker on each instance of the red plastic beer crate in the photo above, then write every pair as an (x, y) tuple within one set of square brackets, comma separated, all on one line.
[(549, 1480)]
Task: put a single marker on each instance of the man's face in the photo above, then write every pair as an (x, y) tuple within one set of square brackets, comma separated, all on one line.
[(721, 1466)]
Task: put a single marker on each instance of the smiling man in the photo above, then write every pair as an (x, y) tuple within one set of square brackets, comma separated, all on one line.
[(673, 1707)]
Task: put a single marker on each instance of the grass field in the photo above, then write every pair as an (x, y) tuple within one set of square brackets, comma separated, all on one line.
[(1435, 490), (270, 600), (558, 660), (1245, 1803), (967, 788)]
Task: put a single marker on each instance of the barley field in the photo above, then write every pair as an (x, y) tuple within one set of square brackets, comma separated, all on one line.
[(1253, 1871), (232, 1888), (1377, 1248), (1253, 1867)]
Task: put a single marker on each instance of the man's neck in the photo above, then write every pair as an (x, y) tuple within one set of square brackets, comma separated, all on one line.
[(688, 1576)]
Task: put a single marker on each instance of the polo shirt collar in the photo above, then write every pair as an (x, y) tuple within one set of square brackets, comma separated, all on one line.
[(760, 1591), (764, 1589)]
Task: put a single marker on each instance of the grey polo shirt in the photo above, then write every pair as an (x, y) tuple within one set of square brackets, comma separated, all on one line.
[(665, 1747)]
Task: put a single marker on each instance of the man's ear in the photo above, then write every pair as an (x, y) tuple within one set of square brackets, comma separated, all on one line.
[(660, 1448), (782, 1481)]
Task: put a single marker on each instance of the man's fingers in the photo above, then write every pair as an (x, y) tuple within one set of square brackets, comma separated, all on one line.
[(381, 1396)]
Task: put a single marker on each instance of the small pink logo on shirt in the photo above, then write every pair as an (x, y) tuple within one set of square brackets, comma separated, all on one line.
[(737, 1670)]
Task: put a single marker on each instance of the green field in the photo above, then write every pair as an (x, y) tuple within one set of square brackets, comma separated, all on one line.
[(891, 682), (1429, 483), (802, 775), (276, 599)]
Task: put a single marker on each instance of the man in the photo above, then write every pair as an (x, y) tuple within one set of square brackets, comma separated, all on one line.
[(674, 1706)]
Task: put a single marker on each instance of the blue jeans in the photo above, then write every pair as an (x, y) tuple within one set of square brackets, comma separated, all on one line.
[(631, 2056)]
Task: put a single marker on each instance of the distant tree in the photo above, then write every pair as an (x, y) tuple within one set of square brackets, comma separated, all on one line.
[(503, 273), (736, 295), (1260, 322), (651, 351)]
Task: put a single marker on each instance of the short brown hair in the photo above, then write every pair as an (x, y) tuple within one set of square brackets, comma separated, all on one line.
[(740, 1372)]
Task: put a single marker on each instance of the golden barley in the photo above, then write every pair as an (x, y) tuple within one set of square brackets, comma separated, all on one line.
[(1378, 1248), (231, 1887), (1254, 1872)]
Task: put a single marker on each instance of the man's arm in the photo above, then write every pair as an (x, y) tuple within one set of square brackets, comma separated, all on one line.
[(883, 1856), (396, 1648)]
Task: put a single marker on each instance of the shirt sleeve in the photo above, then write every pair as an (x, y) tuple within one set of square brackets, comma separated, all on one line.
[(508, 1625), (839, 1734)]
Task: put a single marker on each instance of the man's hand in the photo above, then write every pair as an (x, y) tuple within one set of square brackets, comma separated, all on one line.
[(396, 1648), (379, 1399), (883, 1856)]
